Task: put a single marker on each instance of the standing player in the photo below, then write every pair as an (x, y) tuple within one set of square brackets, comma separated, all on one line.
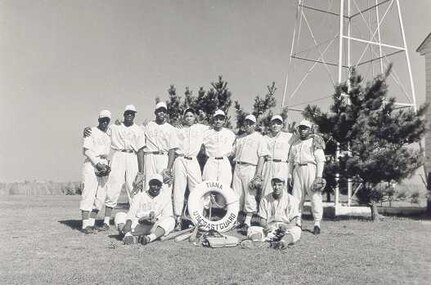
[(276, 163), (150, 215), (218, 144), (186, 169), (128, 140), (277, 224), (96, 150), (161, 142), (306, 163), (249, 151)]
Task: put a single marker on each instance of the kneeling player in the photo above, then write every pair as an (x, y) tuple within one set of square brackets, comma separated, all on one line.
[(278, 212), (150, 215)]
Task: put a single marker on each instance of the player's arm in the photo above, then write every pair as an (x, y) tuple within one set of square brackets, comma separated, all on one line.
[(259, 167)]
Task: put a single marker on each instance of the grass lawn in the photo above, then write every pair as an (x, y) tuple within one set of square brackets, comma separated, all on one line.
[(41, 243)]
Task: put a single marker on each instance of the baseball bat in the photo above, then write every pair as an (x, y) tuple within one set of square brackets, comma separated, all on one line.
[(175, 234)]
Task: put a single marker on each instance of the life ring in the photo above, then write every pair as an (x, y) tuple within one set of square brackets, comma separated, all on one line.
[(196, 206)]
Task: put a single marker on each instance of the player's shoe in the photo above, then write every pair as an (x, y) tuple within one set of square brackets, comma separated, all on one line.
[(278, 245), (316, 230), (104, 227), (144, 239), (88, 230), (130, 239), (178, 224), (243, 229), (250, 244)]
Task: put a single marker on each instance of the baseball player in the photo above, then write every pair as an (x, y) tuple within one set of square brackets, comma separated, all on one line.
[(278, 213), (150, 215), (249, 151), (186, 169), (278, 144), (218, 144), (306, 163), (161, 142), (127, 142), (96, 150)]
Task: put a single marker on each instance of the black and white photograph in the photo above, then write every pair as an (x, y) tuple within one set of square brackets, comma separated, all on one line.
[(215, 142)]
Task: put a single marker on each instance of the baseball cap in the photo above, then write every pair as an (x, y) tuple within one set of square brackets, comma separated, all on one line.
[(189, 110), (105, 114), (279, 178), (156, 177), (305, 123), (130, 108), (219, 113), (161, 105), (277, 117), (251, 118)]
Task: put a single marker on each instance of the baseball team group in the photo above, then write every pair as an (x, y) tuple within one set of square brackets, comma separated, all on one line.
[(157, 162)]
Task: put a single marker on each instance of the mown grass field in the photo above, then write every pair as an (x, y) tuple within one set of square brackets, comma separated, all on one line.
[(41, 244)]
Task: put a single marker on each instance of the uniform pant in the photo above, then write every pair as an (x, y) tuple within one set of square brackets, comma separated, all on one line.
[(166, 223), (271, 168), (94, 191), (186, 172), (242, 176), (303, 177), (124, 167), (218, 170), (154, 164)]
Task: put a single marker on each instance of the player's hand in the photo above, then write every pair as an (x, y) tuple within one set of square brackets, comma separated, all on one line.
[(167, 176), (117, 122), (103, 156), (318, 185), (290, 181), (87, 132)]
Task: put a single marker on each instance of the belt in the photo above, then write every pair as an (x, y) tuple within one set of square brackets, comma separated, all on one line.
[(303, 164), (186, 157), (275, 160), (219, 157), (126, 150), (244, 163), (156, 152)]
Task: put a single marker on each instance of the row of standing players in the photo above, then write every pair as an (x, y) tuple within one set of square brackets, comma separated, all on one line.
[(139, 152)]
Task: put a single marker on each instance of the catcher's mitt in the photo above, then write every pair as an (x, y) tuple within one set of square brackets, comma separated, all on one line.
[(318, 185), (256, 183), (102, 170)]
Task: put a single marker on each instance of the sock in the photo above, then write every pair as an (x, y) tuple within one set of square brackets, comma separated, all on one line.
[(248, 219), (91, 221), (85, 223), (107, 220), (299, 220), (317, 223), (152, 237)]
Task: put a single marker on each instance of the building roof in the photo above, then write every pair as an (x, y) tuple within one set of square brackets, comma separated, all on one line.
[(424, 45)]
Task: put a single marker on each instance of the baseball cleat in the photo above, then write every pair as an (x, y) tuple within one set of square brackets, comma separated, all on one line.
[(144, 240), (104, 227), (129, 239), (316, 230), (88, 230), (278, 245)]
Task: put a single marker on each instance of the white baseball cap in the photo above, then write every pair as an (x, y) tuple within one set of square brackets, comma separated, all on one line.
[(161, 105), (105, 114), (130, 108), (277, 117), (157, 177), (251, 118), (219, 113), (305, 123), (279, 178)]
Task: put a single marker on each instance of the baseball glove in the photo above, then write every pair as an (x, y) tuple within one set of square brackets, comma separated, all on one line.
[(138, 183), (102, 170), (318, 185), (256, 183), (167, 176)]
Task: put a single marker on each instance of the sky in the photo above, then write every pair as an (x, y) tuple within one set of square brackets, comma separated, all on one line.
[(63, 61)]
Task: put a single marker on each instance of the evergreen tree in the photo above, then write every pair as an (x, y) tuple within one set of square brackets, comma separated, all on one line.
[(375, 136)]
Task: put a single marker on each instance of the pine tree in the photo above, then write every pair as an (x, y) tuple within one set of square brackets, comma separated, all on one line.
[(374, 134)]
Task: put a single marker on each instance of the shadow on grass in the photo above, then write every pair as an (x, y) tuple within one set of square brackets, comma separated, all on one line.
[(73, 224)]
